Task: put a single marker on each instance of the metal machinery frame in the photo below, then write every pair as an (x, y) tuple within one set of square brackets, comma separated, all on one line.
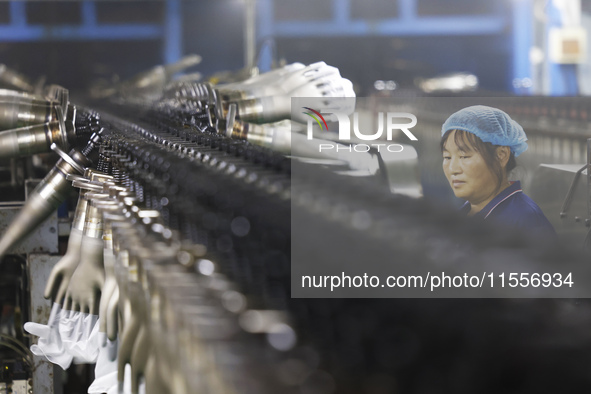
[(44, 241), (38, 250)]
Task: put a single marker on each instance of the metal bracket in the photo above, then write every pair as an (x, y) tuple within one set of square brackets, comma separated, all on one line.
[(231, 119), (59, 112), (571, 191), (67, 158), (61, 96)]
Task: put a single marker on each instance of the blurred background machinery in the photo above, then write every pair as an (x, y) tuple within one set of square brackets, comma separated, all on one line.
[(191, 186)]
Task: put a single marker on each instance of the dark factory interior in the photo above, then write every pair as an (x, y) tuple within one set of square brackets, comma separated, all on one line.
[(295, 196)]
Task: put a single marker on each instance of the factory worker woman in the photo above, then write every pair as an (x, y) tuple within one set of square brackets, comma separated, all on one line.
[(479, 146)]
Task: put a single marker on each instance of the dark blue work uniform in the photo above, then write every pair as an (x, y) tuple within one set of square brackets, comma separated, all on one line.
[(513, 209)]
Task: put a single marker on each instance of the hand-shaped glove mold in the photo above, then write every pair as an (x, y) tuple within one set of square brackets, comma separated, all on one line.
[(59, 279), (87, 281), (60, 276)]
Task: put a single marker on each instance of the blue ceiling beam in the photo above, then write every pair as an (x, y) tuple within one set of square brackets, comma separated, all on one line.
[(522, 42), (16, 33), (88, 11), (265, 10), (341, 10), (18, 13), (407, 9), (173, 32), (423, 26)]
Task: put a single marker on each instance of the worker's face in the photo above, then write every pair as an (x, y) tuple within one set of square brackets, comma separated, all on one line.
[(467, 173)]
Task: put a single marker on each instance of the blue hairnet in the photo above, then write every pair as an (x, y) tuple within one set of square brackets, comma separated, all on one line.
[(490, 125)]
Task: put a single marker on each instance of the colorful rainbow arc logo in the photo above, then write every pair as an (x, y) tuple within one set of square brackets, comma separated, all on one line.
[(315, 118)]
